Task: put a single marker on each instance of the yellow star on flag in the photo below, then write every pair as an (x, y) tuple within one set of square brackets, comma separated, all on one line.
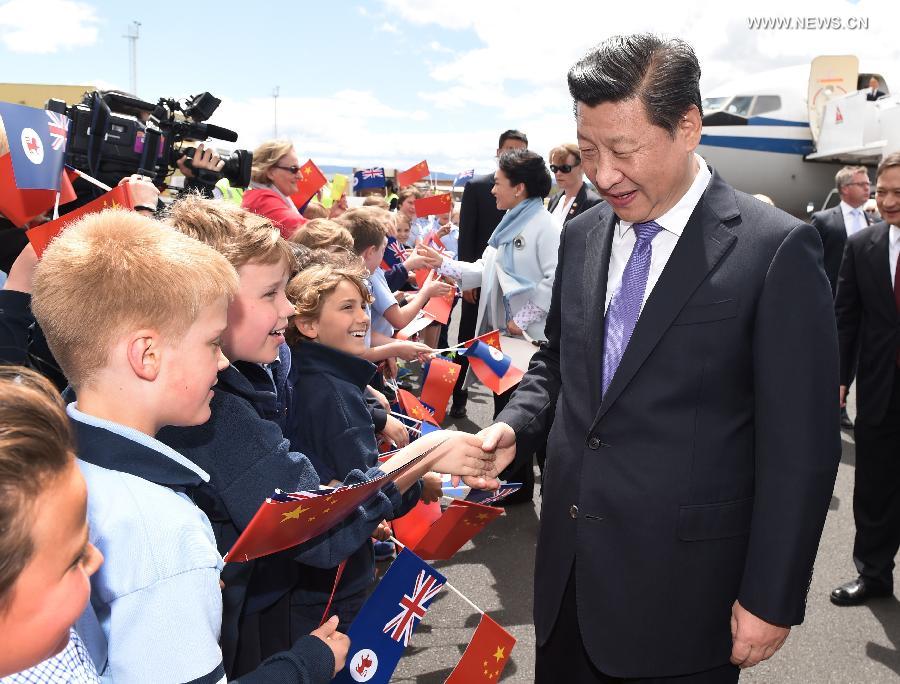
[(294, 514), (498, 654)]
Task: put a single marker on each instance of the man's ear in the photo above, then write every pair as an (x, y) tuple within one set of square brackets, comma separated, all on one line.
[(690, 126), (144, 351), (308, 327)]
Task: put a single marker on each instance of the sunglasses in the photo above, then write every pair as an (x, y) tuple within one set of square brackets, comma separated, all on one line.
[(293, 169), (565, 168)]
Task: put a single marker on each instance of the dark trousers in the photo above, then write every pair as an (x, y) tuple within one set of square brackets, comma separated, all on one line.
[(876, 493), (564, 658)]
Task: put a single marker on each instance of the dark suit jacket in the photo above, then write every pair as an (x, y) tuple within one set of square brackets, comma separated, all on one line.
[(877, 95), (478, 216), (867, 318), (705, 473), (830, 224), (584, 200)]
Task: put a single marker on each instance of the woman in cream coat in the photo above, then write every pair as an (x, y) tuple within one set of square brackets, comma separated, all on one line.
[(516, 270)]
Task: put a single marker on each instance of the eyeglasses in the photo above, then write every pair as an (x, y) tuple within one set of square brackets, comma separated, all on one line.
[(292, 168), (565, 168), (864, 184)]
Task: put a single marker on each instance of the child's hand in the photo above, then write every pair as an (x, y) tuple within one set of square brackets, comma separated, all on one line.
[(460, 454), (396, 432), (431, 488), (436, 288), (143, 192), (444, 230), (382, 532), (21, 273), (338, 642), (435, 258), (410, 351), (416, 261)]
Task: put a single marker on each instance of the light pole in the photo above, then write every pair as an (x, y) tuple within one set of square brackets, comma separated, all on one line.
[(134, 32)]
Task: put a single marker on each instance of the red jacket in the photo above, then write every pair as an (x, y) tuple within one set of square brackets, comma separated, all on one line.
[(270, 204)]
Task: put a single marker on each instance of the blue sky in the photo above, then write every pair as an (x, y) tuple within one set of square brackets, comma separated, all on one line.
[(394, 81)]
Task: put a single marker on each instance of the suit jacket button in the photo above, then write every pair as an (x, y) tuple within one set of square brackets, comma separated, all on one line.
[(573, 511), (594, 443)]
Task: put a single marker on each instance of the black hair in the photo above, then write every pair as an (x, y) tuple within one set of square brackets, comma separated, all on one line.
[(512, 134), (525, 166), (664, 74)]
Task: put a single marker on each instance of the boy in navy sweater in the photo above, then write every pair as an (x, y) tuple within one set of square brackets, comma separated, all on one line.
[(242, 447), (134, 313), (327, 336)]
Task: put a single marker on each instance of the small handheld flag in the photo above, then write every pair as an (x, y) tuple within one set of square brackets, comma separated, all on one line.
[(311, 180), (485, 656), (384, 625), (412, 174), (436, 205), (492, 366), (464, 177), (37, 145), (437, 386), (443, 536), (369, 178)]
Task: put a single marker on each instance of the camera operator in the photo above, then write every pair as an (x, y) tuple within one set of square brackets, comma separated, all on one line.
[(202, 170)]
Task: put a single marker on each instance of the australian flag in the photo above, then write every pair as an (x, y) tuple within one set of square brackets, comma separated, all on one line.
[(368, 178), (464, 177), (393, 254), (386, 622), (37, 145)]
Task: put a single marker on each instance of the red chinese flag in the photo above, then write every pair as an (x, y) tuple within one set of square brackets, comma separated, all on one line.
[(439, 308), (459, 523), (483, 372), (433, 239), (66, 191), (422, 276), (437, 388), (280, 525), (486, 655), (413, 408), (411, 175), (410, 528), (436, 204), (311, 181), (117, 198), (20, 206)]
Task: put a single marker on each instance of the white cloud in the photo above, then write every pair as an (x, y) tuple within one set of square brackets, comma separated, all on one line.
[(437, 47), (388, 27), (47, 26), (362, 10)]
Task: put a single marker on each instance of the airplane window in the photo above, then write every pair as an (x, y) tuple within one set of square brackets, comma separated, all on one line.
[(712, 104), (766, 103), (740, 105)]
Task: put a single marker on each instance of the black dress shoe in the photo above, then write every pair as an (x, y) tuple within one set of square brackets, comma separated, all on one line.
[(846, 423), (857, 592), (458, 411)]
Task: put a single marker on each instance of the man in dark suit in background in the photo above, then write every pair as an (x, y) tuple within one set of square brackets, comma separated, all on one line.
[(478, 216), (574, 196), (839, 222), (873, 93), (868, 319), (691, 351)]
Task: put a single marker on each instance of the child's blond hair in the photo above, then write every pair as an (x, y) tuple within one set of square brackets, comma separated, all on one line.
[(323, 234), (35, 448), (239, 235), (308, 289), (366, 225), (117, 271)]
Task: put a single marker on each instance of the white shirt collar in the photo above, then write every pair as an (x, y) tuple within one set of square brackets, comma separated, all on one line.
[(894, 235), (135, 436), (846, 208), (677, 217)]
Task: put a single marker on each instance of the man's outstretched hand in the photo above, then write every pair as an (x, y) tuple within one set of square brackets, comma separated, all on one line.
[(753, 639), (499, 439)]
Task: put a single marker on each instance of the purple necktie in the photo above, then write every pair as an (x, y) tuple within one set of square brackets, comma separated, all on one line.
[(625, 306)]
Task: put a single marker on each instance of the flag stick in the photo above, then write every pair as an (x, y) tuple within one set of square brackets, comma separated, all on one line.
[(56, 207), (446, 584), (90, 179)]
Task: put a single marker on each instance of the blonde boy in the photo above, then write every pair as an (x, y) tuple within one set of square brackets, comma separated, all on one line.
[(134, 313)]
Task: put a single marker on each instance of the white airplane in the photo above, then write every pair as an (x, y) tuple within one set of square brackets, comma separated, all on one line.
[(785, 133)]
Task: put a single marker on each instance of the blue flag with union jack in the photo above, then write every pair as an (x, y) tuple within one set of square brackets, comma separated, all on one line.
[(37, 145), (385, 623), (393, 254), (464, 177), (369, 178)]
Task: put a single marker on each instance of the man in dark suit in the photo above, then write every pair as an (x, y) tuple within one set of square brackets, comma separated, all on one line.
[(868, 319), (839, 222), (694, 445), (574, 196), (478, 216), (873, 93)]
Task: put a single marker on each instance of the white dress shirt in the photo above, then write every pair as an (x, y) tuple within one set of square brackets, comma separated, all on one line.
[(673, 223), (562, 207), (893, 251), (854, 218)]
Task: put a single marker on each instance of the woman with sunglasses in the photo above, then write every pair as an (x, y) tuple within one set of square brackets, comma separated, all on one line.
[(574, 196), (273, 179)]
